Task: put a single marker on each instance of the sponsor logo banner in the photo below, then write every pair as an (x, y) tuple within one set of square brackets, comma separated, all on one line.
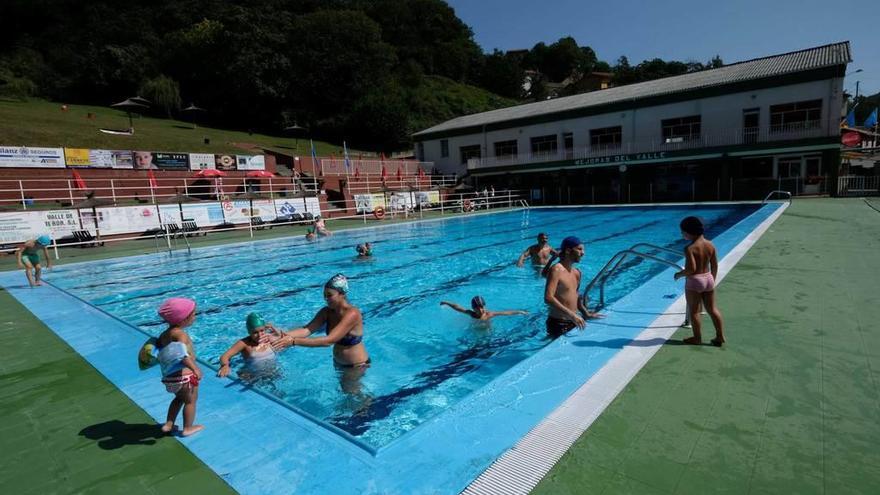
[(247, 162), (224, 162), (122, 159), (11, 156), (201, 161), (171, 161), (82, 157)]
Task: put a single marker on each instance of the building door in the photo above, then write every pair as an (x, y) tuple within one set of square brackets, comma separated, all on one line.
[(751, 125)]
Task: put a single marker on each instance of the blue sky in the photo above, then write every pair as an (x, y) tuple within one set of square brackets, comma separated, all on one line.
[(684, 29)]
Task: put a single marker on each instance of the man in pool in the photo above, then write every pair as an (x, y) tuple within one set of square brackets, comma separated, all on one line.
[(28, 257), (561, 292), (539, 253)]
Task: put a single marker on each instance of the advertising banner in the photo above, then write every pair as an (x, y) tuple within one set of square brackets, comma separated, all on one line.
[(122, 159), (263, 208), (82, 157), (143, 160), (60, 222), (290, 206), (11, 156), (255, 162), (171, 161), (19, 227), (201, 161), (224, 162), (368, 202), (125, 219)]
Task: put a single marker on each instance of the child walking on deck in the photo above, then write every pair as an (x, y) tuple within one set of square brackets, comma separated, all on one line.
[(701, 269)]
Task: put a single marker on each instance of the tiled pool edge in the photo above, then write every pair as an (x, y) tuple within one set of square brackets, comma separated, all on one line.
[(295, 458), (522, 467)]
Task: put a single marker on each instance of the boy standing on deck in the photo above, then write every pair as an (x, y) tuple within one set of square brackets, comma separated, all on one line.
[(28, 256), (561, 291)]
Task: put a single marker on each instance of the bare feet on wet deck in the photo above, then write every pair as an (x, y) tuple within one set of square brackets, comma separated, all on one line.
[(192, 430)]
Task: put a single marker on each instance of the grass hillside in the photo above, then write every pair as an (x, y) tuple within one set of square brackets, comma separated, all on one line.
[(43, 123), (439, 99)]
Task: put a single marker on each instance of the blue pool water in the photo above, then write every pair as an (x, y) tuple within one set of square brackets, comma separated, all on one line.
[(424, 357)]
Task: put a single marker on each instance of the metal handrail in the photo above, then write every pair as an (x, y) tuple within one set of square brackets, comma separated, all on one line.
[(616, 260), (775, 192)]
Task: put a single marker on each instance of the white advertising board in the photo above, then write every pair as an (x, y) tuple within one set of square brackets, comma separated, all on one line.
[(251, 162), (21, 156), (201, 161)]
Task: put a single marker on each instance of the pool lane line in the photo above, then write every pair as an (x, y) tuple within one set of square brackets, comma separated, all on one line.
[(523, 466)]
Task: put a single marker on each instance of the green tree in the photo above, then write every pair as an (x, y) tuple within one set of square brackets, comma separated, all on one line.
[(502, 75), (163, 92)]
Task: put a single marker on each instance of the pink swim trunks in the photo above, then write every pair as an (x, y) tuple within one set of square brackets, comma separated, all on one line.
[(700, 282)]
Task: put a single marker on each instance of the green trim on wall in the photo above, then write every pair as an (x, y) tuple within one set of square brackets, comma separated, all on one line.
[(648, 101), (813, 144)]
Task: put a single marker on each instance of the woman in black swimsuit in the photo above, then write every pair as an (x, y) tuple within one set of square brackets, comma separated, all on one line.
[(343, 326)]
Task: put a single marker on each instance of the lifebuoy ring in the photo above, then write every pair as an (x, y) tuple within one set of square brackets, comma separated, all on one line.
[(379, 213)]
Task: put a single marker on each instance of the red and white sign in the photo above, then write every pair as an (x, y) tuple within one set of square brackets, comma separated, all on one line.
[(851, 139)]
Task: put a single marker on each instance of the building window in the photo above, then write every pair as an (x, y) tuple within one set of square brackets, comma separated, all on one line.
[(796, 116), (506, 149), (468, 152), (421, 151), (789, 167), (545, 145), (568, 144), (681, 129), (444, 148), (606, 138)]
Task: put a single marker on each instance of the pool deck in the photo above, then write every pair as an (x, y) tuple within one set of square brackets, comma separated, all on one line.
[(786, 407)]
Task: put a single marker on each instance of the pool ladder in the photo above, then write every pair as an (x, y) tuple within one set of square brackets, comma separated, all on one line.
[(610, 268), (171, 236), (788, 193)]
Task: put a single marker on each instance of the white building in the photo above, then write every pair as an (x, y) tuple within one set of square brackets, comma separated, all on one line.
[(726, 133)]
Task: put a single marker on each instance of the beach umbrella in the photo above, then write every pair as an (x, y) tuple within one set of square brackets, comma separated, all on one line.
[(179, 199), (260, 173), (129, 105), (141, 100), (192, 109), (210, 172), (92, 202), (78, 180), (295, 130)]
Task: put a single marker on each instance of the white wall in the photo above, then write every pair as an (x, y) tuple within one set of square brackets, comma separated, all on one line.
[(720, 115)]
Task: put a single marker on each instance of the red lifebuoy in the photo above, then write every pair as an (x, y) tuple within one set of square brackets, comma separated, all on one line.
[(379, 213)]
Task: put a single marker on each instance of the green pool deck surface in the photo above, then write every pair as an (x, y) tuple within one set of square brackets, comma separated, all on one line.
[(789, 405)]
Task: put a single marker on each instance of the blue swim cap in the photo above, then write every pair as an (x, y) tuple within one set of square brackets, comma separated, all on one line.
[(570, 242), (44, 240)]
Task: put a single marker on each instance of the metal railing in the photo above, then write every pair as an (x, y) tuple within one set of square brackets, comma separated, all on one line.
[(858, 185), (770, 195), (614, 263), (28, 193), (788, 132), (337, 166)]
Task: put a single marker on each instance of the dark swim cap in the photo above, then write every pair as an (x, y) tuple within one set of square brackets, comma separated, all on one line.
[(692, 226), (570, 242), (478, 302)]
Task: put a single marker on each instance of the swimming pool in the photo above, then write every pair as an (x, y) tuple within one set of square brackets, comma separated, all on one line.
[(425, 358)]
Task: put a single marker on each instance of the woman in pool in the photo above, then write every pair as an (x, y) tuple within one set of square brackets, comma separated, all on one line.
[(343, 326)]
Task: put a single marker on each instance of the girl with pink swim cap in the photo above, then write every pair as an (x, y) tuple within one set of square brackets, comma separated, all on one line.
[(180, 373)]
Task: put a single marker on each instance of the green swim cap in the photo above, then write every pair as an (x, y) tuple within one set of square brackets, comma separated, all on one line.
[(255, 321)]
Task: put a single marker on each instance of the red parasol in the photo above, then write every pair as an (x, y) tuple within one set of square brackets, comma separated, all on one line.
[(210, 172), (152, 177), (77, 180), (260, 173)]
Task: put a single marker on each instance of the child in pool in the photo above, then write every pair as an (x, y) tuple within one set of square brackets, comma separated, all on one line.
[(364, 250), (257, 346), (180, 373), (701, 268), (478, 309)]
